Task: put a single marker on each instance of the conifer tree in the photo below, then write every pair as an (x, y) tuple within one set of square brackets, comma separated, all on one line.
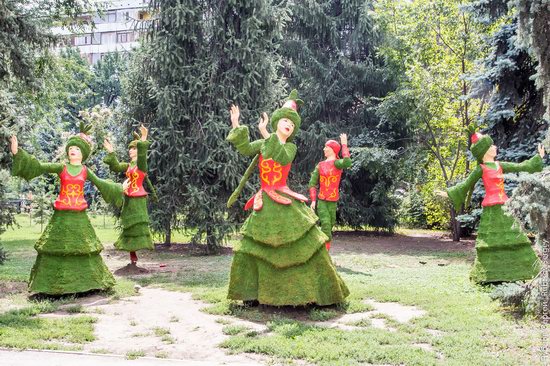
[(200, 57), (329, 55)]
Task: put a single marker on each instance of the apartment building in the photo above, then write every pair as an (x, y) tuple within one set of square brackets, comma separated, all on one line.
[(116, 29)]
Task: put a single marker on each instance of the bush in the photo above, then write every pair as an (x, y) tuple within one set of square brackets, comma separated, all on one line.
[(3, 256), (510, 294), (412, 213), (469, 222)]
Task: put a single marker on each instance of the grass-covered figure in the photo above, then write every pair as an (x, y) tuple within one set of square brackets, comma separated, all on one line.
[(327, 176), (503, 252), (281, 259), (69, 259), (134, 218)]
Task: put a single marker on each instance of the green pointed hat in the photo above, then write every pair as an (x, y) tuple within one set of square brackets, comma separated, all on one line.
[(480, 144), (288, 110), (82, 140), (134, 142)]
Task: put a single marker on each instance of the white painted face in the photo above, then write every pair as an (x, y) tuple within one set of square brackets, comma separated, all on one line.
[(491, 153), (329, 153), (133, 153), (75, 155), (285, 127)]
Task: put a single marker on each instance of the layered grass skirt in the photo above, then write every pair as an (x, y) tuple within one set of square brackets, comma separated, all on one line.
[(282, 259), (134, 220), (69, 259), (503, 251)]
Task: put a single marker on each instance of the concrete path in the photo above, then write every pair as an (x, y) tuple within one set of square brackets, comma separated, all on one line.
[(51, 358)]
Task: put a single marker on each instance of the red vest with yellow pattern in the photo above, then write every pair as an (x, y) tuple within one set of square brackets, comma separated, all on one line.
[(329, 181), (136, 178), (273, 178), (493, 180), (71, 196)]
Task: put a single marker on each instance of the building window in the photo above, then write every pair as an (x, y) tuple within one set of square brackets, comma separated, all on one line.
[(83, 40), (124, 37), (109, 17), (87, 39), (96, 38)]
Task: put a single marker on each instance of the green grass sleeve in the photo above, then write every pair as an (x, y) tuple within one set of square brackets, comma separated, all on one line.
[(533, 165), (458, 193), (283, 154), (113, 163), (110, 191), (240, 138), (314, 180), (28, 167), (343, 163), (142, 147)]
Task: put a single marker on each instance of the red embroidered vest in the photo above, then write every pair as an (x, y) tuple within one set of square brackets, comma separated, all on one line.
[(493, 180), (273, 178), (272, 174), (136, 178), (71, 196), (329, 181)]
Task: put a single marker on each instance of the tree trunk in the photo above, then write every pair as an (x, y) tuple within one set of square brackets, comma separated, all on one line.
[(211, 245), (455, 225), (168, 234)]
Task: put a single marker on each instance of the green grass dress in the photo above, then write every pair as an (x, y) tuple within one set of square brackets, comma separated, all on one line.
[(281, 259), (503, 252), (134, 218), (69, 259)]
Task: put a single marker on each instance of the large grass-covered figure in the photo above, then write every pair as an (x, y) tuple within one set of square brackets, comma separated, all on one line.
[(134, 218), (503, 251), (69, 259), (281, 259)]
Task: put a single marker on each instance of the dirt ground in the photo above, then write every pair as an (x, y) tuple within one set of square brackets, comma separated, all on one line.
[(369, 243), (344, 242), (168, 324)]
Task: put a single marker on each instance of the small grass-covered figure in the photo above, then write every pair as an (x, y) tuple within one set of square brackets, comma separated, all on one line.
[(281, 259), (327, 176), (503, 252), (134, 218), (69, 259)]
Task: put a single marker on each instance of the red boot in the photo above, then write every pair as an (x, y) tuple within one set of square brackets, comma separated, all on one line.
[(327, 244), (133, 257)]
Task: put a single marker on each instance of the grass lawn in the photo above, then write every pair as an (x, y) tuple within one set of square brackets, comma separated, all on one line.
[(462, 326)]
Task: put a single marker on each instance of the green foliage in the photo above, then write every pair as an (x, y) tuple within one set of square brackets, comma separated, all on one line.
[(469, 221), (534, 23), (319, 314), (530, 205), (201, 57), (41, 205), (412, 210), (515, 110), (3, 256), (234, 329), (329, 56), (108, 73), (509, 294)]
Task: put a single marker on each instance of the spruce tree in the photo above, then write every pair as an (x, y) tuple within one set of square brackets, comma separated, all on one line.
[(329, 56), (25, 39), (200, 57)]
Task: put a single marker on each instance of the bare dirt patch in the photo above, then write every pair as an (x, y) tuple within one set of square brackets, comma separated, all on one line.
[(12, 287), (160, 321), (375, 243)]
